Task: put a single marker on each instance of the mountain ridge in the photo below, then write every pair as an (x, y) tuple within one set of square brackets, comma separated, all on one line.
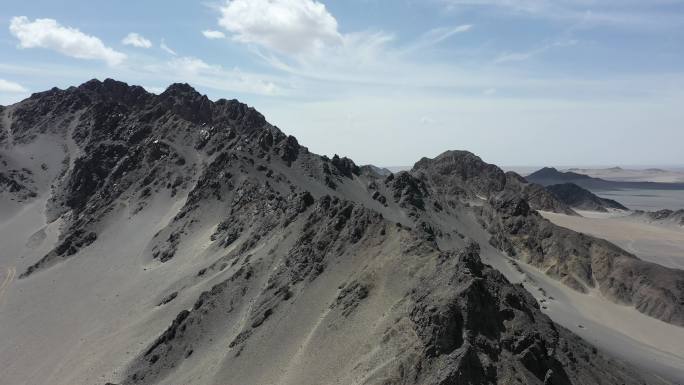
[(273, 236)]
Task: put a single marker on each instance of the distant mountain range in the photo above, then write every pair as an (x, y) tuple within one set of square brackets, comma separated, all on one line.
[(620, 174), (550, 176)]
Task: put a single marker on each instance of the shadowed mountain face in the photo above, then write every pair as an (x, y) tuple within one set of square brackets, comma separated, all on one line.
[(579, 198), (260, 262)]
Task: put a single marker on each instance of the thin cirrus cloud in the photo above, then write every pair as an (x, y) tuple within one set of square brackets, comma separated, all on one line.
[(436, 36), (135, 40), (211, 34), (285, 26), (585, 13), (214, 76), (167, 49), (49, 34), (440, 34), (301, 38), (10, 87), (508, 57)]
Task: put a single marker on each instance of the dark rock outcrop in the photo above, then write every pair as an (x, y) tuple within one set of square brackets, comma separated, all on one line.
[(477, 328), (461, 173)]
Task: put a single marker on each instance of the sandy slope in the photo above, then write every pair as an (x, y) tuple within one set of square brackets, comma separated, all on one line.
[(662, 244), (620, 330), (77, 308), (8, 274)]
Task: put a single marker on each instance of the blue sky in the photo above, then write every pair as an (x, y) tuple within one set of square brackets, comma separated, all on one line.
[(527, 82)]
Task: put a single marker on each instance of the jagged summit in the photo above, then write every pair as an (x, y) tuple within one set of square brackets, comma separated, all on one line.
[(451, 156), (465, 170), (180, 89)]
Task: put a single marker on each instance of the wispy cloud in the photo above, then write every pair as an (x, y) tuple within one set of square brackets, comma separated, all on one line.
[(507, 57), (436, 36), (10, 87), (201, 73), (375, 62), (135, 40), (587, 13), (167, 49), (49, 34)]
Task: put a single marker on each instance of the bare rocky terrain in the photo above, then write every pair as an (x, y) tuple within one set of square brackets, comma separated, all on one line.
[(172, 239)]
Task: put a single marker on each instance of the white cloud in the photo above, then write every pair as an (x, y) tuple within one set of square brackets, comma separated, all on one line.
[(189, 65), (166, 48), (210, 34), (48, 33), (136, 40), (11, 87), (285, 26), (301, 38)]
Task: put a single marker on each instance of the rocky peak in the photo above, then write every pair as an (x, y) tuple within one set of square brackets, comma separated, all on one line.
[(180, 90), (185, 101), (113, 91), (234, 110), (346, 166), (463, 171)]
